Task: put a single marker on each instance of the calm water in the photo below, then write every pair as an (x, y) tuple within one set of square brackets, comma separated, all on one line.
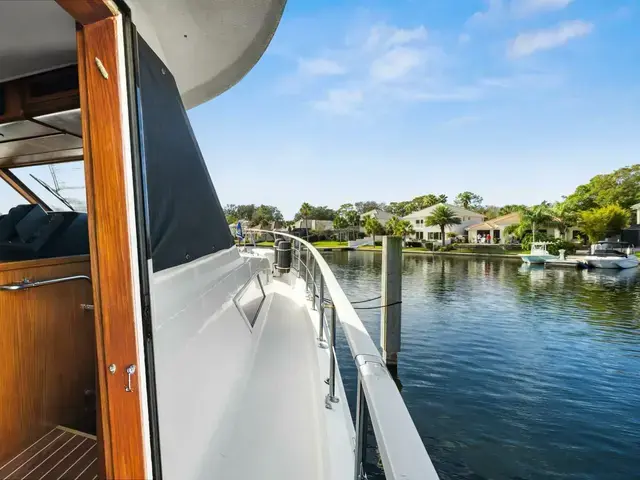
[(513, 373)]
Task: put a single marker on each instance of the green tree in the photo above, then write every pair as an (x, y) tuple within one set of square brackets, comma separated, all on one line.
[(398, 227), (368, 205), (536, 216), (305, 212), (468, 200), (317, 213), (442, 216), (597, 222), (264, 215), (339, 222), (404, 229), (621, 187), (240, 212), (507, 209), (531, 219), (564, 217), (490, 211), (373, 227), (399, 209)]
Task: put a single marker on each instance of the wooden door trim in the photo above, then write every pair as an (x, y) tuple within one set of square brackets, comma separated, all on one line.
[(114, 257), (86, 12)]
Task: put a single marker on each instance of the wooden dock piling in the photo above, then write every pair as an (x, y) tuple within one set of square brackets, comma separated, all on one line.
[(390, 317)]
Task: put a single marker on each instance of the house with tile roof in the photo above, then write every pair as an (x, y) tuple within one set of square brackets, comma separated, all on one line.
[(425, 232), (496, 229)]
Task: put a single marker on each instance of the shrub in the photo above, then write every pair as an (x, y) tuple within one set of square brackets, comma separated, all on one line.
[(427, 245), (446, 248), (527, 240), (558, 244), (413, 243)]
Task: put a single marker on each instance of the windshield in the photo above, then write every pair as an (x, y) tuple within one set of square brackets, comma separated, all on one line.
[(61, 186)]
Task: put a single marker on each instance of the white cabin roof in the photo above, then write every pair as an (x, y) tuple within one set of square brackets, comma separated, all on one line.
[(208, 45)]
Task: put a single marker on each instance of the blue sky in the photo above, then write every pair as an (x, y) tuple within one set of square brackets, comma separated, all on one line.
[(517, 100)]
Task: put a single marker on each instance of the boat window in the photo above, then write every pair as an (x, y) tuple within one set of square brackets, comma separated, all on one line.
[(61, 186), (9, 197)]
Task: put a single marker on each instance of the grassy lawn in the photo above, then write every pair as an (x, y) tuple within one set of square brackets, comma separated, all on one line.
[(329, 243), (638, 254)]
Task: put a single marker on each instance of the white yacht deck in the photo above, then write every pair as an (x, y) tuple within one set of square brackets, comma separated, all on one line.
[(277, 429)]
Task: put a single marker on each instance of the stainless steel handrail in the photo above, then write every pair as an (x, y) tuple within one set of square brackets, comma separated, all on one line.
[(26, 283), (402, 451)]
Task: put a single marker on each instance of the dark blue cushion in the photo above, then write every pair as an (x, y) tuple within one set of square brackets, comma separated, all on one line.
[(31, 223)]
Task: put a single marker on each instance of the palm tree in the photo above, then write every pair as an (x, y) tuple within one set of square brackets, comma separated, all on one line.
[(442, 216), (405, 228), (398, 227), (536, 216), (373, 227), (530, 219), (468, 200), (305, 211), (563, 217)]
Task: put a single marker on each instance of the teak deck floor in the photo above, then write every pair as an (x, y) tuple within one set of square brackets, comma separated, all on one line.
[(60, 454)]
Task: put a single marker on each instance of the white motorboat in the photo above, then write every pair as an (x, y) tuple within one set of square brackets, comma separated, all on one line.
[(138, 342), (612, 255), (539, 254)]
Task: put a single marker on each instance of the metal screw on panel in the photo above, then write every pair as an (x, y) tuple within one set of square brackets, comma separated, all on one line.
[(112, 368)]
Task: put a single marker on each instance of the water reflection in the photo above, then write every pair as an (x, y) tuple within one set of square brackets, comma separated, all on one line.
[(513, 372)]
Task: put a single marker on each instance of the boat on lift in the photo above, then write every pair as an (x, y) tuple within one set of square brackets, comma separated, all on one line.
[(612, 255)]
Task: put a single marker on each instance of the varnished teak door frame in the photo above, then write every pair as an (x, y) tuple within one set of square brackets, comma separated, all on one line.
[(108, 173)]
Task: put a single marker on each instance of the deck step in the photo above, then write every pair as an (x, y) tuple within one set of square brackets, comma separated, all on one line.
[(62, 453)]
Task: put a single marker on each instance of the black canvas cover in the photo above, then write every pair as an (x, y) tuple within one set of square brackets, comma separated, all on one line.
[(186, 220)]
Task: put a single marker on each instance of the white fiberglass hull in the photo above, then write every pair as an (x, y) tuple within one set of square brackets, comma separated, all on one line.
[(534, 259), (612, 262)]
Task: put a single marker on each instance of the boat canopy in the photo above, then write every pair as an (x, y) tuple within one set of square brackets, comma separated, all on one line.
[(209, 45)]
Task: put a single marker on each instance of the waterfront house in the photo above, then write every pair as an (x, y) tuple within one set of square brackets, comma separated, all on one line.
[(382, 216), (496, 228), (424, 232), (316, 225)]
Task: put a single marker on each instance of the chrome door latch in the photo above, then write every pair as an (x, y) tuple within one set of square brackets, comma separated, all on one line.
[(131, 369)]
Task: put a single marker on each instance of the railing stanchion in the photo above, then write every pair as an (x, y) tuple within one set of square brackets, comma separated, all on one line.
[(306, 269), (331, 397), (313, 286), (321, 315), (299, 257), (361, 433)]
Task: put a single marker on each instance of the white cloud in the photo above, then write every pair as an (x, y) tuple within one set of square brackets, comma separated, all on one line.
[(523, 8), (495, 10), (443, 95), (340, 101), (531, 42), (396, 64), (502, 10), (386, 36), (403, 36), (321, 67)]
